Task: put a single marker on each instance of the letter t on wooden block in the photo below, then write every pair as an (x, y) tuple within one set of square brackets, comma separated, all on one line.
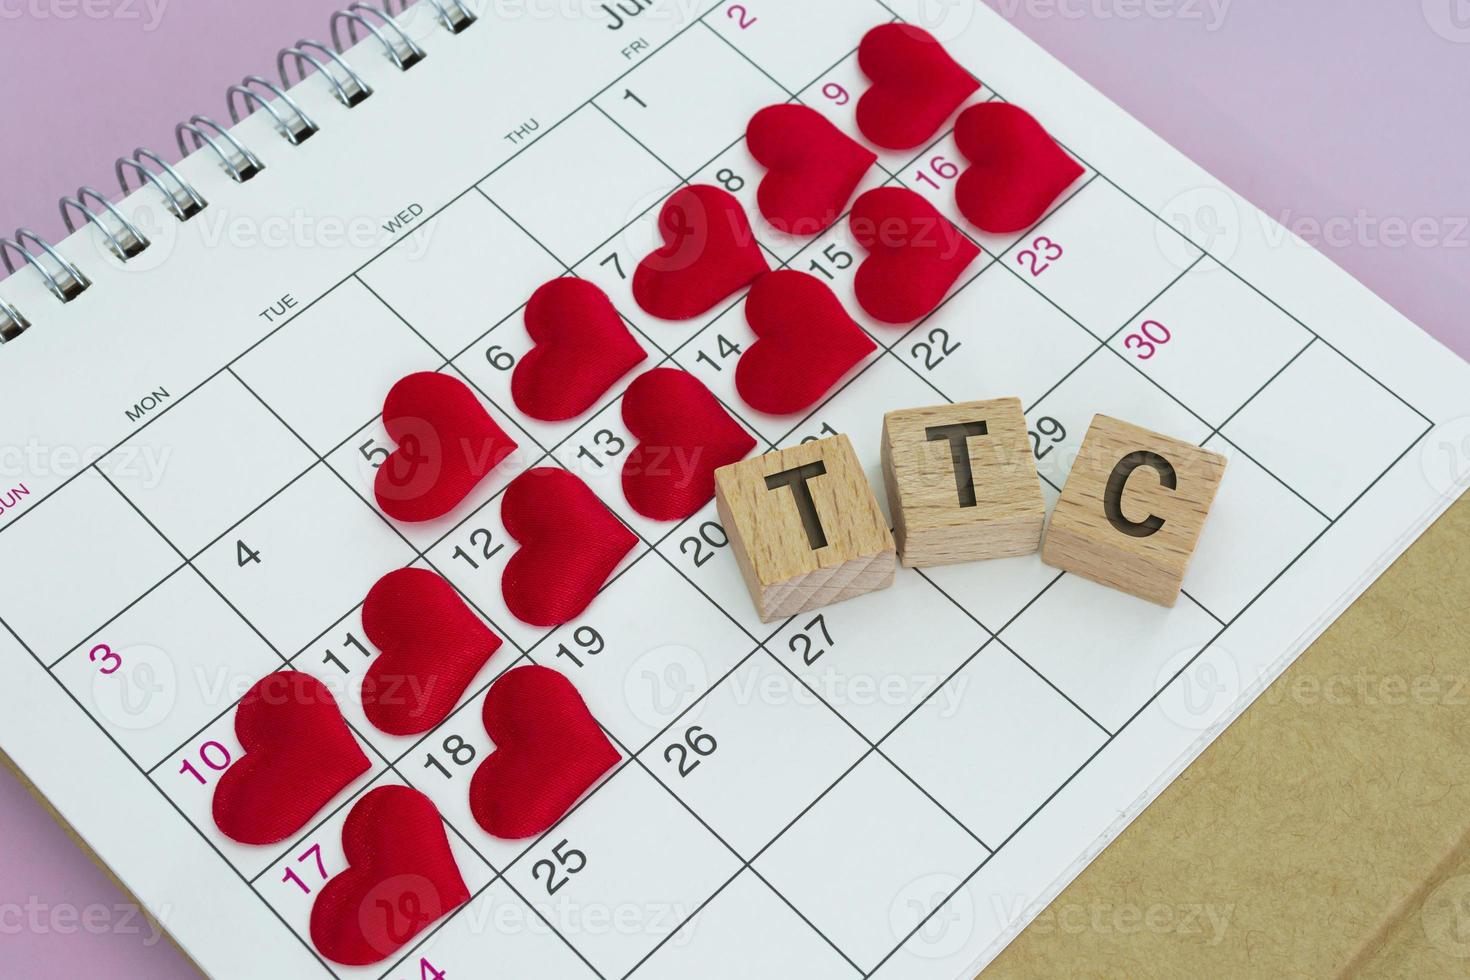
[(805, 527), (1133, 508), (962, 483)]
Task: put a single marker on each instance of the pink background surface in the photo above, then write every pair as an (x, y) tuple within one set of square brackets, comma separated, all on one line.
[(1343, 121)]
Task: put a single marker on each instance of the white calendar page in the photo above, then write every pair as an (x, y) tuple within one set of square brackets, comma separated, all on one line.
[(900, 782)]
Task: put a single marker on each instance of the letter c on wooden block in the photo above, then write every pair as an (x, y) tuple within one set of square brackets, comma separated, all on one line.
[(805, 527), (1119, 525)]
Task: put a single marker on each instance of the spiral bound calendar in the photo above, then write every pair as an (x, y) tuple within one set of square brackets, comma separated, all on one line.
[(891, 787)]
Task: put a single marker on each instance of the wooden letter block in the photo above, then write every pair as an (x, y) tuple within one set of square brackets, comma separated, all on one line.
[(805, 527), (1133, 508), (962, 483)]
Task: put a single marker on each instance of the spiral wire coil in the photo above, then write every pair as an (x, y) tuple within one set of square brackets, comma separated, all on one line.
[(255, 93)]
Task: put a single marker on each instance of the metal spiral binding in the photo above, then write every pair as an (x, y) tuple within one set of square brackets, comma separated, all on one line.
[(66, 281), (183, 200), (452, 14), (241, 165), (125, 240), (350, 91), (404, 53), (296, 132)]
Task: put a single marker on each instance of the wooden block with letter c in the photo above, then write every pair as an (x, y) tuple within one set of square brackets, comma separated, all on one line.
[(805, 527), (1133, 508)]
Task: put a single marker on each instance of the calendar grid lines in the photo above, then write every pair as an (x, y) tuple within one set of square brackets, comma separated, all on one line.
[(223, 598), (120, 613), (559, 443), (1164, 687), (176, 808)]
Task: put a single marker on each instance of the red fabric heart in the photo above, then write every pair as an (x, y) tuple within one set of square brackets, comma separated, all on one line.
[(582, 348), (806, 343), (299, 754), (447, 444), (400, 878), (431, 646), (570, 544), (916, 86), (684, 435), (814, 167), (915, 254), (1017, 170), (549, 750), (709, 253)]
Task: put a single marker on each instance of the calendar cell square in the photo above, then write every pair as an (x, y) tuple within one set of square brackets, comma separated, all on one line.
[(574, 187), (646, 650), (357, 461), (1257, 527), (442, 763), (292, 883), (717, 943), (611, 268), (999, 338), (1326, 428), (210, 753), (700, 549), (473, 558), (1212, 341), (717, 757), (358, 340), (1106, 650), (461, 273), (795, 43), (298, 564), (1103, 385), (623, 871), (690, 102), (490, 365), (498, 924), (1014, 737), (1102, 258), (901, 837), (218, 456), (173, 662), (995, 591), (76, 562), (864, 661), (857, 411)]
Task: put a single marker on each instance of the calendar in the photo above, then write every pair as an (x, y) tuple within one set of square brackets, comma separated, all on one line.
[(889, 787)]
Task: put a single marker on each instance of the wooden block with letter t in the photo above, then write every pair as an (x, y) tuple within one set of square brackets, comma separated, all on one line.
[(962, 483), (805, 527), (1133, 508)]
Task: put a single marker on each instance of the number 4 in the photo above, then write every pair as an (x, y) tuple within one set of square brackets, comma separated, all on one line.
[(243, 554), (428, 971)]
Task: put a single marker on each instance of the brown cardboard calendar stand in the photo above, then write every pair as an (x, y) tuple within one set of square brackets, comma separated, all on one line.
[(1324, 834)]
